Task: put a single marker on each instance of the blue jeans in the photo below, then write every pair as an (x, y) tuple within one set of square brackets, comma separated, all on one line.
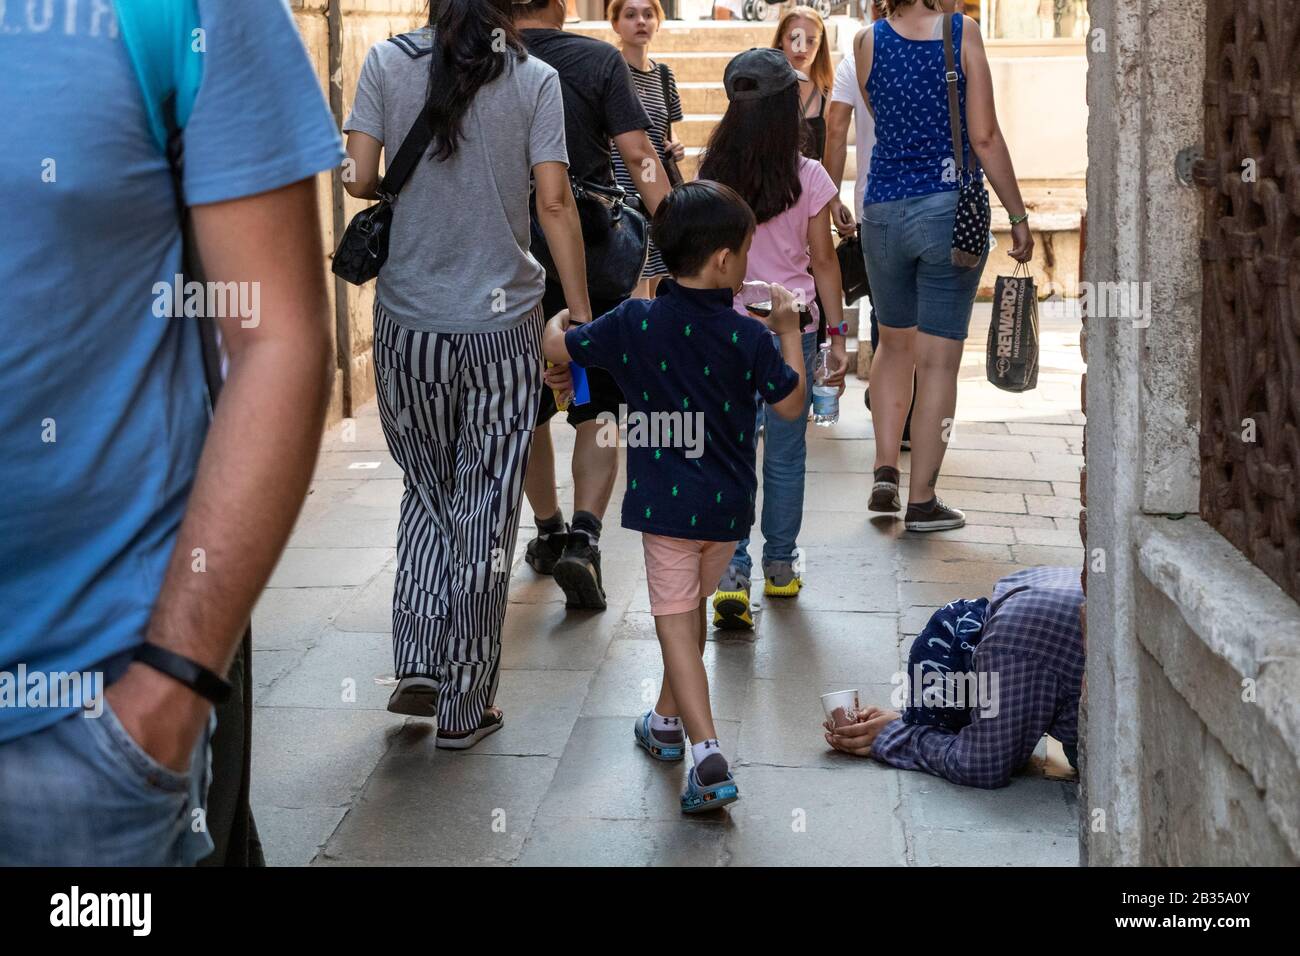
[(785, 451), (81, 792), (914, 285)]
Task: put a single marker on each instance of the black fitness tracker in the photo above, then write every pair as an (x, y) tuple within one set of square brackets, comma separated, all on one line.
[(193, 675)]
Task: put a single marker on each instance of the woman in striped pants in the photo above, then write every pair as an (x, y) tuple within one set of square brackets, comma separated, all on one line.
[(457, 343)]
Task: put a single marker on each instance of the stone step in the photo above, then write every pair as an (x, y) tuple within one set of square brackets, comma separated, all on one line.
[(704, 66), (678, 36), (702, 97)]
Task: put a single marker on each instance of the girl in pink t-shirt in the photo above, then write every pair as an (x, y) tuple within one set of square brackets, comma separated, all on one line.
[(755, 151)]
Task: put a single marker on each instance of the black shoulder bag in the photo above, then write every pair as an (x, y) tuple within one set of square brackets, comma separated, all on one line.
[(615, 238), (363, 250), (970, 227)]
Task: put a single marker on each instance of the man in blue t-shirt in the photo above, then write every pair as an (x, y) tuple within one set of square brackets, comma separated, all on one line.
[(692, 369), (135, 538)]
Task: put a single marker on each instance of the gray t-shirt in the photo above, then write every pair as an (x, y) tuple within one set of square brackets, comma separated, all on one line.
[(458, 258)]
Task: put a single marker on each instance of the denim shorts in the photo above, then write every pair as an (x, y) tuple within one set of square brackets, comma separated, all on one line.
[(914, 285), (81, 792)]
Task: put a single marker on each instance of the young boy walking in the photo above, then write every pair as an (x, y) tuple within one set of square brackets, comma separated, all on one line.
[(690, 365)]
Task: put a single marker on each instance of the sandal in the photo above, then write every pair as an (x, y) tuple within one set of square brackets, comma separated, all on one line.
[(493, 720)]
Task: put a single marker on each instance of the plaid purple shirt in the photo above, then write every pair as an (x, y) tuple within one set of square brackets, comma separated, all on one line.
[(1034, 645)]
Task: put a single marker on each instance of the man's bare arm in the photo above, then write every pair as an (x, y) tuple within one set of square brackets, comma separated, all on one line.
[(642, 161), (257, 460)]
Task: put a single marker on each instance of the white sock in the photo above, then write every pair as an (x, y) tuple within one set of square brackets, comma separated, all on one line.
[(705, 748), (659, 722)]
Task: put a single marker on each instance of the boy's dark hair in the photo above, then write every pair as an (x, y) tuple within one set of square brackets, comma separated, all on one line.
[(697, 219)]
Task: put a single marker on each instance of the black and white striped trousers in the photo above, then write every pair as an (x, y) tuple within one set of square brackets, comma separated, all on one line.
[(458, 411)]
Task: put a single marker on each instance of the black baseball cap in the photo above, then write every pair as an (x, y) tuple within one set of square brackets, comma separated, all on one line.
[(766, 68)]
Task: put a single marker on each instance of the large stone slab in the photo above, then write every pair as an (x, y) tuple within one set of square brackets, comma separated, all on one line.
[(429, 807), (580, 841), (800, 817)]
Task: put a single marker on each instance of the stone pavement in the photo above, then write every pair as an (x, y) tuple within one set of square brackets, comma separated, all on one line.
[(338, 780)]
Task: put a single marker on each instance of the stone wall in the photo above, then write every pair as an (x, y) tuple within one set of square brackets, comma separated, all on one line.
[(338, 34), (1191, 719)]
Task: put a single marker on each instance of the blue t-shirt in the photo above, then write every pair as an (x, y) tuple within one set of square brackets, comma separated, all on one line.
[(103, 408), (691, 369)]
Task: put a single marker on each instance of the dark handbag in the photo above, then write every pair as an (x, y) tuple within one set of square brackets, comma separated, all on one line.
[(363, 250), (970, 226), (614, 235), (674, 171), (853, 269)]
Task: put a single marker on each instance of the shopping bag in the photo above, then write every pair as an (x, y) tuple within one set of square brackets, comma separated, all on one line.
[(1011, 359)]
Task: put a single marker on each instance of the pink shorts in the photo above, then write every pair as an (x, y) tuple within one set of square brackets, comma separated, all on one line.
[(682, 573)]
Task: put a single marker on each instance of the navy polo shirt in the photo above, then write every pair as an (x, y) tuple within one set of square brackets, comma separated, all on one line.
[(691, 369)]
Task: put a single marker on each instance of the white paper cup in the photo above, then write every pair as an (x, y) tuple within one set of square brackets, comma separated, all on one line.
[(841, 707)]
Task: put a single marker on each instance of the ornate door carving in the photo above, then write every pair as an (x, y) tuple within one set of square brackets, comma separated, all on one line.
[(1250, 251)]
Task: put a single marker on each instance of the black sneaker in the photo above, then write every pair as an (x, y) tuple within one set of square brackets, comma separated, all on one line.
[(884, 492), (545, 549), (577, 573), (932, 515)]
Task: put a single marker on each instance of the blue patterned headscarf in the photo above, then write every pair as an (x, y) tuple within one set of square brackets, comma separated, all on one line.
[(945, 648)]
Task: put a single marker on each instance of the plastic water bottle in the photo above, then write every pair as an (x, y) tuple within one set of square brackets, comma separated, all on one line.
[(825, 398)]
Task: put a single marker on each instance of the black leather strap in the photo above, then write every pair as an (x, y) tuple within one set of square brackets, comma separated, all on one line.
[(193, 675), (416, 143), (950, 77)]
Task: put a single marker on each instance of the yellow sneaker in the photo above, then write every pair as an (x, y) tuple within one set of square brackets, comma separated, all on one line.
[(780, 579), (731, 602)]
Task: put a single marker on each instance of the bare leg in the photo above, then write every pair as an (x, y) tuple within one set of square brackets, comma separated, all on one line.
[(595, 468), (666, 706), (937, 363), (539, 479), (686, 683), (891, 393)]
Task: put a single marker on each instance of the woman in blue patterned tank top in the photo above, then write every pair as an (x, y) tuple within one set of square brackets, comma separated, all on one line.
[(922, 300)]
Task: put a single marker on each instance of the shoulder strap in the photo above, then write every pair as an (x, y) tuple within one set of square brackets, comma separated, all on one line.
[(161, 39), (416, 44), (420, 135), (165, 46), (950, 77), (668, 100)]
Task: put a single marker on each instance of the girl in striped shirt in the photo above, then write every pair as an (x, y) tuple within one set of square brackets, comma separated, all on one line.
[(635, 22)]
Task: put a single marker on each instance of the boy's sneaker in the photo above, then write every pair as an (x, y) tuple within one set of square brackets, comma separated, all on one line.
[(702, 798), (780, 579), (545, 549), (577, 572), (932, 515), (884, 491), (731, 602), (663, 744)]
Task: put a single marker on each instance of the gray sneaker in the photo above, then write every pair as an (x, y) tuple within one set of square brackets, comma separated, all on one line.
[(781, 579)]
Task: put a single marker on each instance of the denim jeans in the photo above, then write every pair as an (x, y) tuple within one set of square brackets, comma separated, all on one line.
[(785, 450), (908, 247), (81, 792)]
